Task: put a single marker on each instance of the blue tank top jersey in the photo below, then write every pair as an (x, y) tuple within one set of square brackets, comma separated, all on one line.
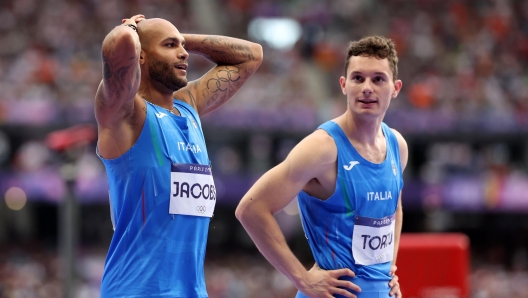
[(365, 199), (154, 253)]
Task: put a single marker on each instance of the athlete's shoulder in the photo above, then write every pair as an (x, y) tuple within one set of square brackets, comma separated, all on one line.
[(313, 155), (401, 140), (402, 145), (319, 146), (321, 135)]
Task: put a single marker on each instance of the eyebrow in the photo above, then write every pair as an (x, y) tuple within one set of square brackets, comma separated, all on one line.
[(375, 73)]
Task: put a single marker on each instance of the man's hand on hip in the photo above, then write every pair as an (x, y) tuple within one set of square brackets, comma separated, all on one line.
[(319, 283)]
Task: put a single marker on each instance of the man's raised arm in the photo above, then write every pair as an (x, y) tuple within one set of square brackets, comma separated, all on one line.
[(236, 60), (121, 74)]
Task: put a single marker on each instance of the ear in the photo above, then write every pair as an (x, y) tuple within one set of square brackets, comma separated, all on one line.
[(342, 83), (142, 57), (397, 88)]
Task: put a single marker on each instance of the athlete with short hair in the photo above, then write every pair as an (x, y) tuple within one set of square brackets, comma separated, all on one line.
[(348, 179), (161, 189)]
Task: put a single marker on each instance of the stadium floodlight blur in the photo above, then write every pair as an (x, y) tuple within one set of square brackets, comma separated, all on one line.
[(277, 33)]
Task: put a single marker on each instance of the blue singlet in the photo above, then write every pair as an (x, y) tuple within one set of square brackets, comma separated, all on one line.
[(154, 253), (354, 227)]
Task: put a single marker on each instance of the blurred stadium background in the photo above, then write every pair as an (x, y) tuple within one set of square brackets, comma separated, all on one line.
[(463, 111)]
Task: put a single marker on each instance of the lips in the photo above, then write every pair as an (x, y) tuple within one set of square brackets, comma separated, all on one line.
[(367, 101), (182, 66)]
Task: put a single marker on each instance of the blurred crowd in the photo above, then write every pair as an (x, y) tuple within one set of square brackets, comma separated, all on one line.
[(37, 274), (463, 63), (464, 67)]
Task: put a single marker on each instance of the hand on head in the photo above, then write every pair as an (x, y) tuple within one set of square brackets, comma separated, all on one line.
[(133, 20)]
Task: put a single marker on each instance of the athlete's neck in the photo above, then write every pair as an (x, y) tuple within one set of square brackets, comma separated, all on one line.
[(364, 131), (163, 98)]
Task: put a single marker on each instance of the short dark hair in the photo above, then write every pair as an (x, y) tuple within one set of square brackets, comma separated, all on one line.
[(374, 46)]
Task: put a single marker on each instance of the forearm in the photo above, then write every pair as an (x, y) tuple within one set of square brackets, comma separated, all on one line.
[(265, 232), (223, 50)]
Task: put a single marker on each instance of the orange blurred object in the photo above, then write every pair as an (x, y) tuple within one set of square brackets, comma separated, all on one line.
[(421, 96)]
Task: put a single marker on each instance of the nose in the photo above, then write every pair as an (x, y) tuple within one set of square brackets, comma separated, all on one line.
[(183, 55), (367, 88)]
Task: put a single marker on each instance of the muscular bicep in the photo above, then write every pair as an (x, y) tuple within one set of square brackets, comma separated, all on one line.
[(121, 75), (275, 189), (279, 186)]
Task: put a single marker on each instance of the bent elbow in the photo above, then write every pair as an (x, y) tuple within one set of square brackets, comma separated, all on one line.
[(240, 212), (120, 41), (243, 212), (259, 54)]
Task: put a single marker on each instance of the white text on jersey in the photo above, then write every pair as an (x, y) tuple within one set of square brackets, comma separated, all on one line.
[(189, 147), (379, 196)]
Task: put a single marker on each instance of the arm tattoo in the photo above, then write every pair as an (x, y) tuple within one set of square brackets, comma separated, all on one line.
[(235, 60), (223, 79), (224, 51), (115, 80), (213, 40), (228, 79)]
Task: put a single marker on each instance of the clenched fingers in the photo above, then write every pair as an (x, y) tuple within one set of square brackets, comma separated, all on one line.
[(394, 281), (395, 287), (396, 292), (136, 19)]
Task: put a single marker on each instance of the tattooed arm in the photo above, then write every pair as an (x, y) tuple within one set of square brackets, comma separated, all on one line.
[(236, 60), (121, 74), (114, 100)]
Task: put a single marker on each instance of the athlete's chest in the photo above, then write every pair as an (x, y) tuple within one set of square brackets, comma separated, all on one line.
[(372, 154), (367, 181), (178, 138), (369, 189)]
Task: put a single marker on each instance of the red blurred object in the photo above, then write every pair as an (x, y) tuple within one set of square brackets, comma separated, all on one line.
[(73, 137), (434, 265)]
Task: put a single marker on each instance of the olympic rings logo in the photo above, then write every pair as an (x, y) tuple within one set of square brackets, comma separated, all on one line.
[(200, 209)]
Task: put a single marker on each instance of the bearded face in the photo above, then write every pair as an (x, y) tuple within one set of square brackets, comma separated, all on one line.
[(164, 73)]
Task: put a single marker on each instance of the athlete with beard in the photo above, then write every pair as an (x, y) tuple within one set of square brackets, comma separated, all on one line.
[(161, 189)]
